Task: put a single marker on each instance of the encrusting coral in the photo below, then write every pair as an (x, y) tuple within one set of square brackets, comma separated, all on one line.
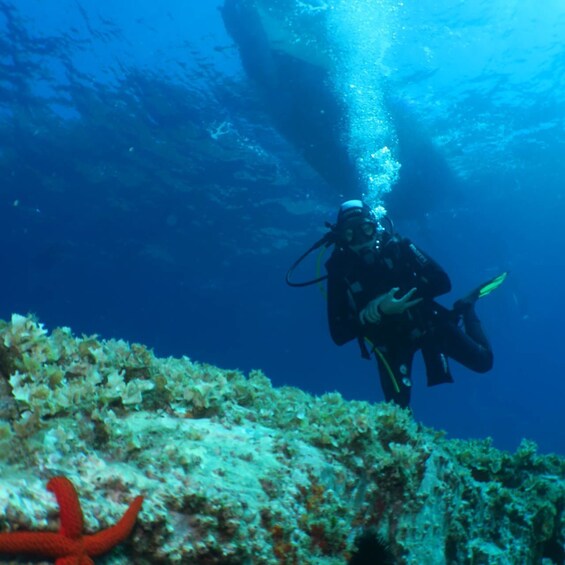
[(235, 471)]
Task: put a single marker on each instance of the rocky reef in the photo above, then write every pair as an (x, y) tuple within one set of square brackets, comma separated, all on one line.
[(235, 471)]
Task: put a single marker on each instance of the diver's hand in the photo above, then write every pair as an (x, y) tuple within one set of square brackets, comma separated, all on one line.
[(371, 313), (390, 305), (387, 305)]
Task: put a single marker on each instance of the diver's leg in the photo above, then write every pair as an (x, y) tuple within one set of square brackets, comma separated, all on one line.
[(474, 329), (469, 346), (395, 366), (464, 310)]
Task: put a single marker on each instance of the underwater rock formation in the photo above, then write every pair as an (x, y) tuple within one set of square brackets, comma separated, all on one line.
[(234, 471)]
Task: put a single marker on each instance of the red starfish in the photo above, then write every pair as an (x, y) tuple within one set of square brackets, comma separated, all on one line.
[(70, 546)]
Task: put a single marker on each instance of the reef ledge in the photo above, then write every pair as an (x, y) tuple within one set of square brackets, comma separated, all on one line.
[(236, 471)]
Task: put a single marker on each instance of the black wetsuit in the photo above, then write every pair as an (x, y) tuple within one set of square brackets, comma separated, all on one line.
[(354, 281)]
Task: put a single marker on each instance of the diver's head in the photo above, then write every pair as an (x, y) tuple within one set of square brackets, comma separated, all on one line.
[(357, 226)]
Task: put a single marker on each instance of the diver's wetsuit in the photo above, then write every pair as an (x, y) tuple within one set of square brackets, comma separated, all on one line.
[(354, 281)]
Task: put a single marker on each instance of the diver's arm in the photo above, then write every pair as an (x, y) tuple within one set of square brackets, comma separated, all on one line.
[(430, 278), (343, 322)]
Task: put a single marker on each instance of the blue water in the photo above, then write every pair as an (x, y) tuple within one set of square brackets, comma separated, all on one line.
[(145, 193)]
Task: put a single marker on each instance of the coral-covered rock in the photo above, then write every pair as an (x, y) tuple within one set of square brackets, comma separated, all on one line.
[(235, 471)]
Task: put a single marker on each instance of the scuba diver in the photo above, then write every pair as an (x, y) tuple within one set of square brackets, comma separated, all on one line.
[(381, 290)]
